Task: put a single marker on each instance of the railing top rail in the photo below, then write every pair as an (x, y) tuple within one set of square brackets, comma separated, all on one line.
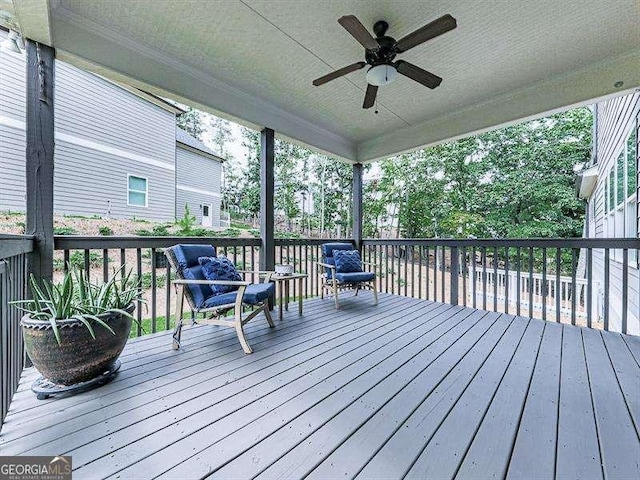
[(310, 241), (12, 245), (75, 242), (630, 243)]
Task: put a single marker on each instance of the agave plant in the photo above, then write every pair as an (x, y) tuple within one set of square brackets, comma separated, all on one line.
[(77, 298)]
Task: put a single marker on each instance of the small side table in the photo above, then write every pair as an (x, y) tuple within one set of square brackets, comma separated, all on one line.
[(282, 286)]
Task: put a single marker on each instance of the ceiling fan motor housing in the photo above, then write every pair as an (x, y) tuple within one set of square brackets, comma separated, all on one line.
[(385, 53)]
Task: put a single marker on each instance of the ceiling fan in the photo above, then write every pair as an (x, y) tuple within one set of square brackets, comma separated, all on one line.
[(381, 51)]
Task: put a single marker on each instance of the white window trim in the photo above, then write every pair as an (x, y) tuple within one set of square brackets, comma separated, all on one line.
[(146, 191), (621, 208)]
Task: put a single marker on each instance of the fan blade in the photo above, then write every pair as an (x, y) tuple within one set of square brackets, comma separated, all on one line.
[(357, 31), (429, 31), (370, 96), (338, 73), (427, 79)]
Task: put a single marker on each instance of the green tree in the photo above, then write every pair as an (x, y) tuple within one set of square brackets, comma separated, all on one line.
[(191, 122)]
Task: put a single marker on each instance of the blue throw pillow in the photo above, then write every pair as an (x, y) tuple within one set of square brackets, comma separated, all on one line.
[(219, 268), (347, 261)]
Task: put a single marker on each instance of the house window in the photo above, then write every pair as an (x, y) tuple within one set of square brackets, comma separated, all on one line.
[(620, 195), (136, 191)]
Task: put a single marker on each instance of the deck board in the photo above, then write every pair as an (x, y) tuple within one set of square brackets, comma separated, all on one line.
[(535, 445), (409, 388)]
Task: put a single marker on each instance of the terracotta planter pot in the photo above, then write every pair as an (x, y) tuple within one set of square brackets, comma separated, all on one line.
[(79, 357)]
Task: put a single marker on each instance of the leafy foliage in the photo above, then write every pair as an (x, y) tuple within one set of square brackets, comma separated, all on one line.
[(77, 298), (191, 122)]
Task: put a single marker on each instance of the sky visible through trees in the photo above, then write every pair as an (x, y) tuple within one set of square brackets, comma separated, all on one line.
[(514, 182)]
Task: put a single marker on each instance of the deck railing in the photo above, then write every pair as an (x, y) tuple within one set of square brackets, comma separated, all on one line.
[(13, 282), (590, 282), (100, 256)]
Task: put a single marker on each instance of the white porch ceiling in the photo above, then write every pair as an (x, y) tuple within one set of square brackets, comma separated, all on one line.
[(253, 61)]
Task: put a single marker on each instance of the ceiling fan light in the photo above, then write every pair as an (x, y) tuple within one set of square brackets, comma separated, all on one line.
[(380, 75)]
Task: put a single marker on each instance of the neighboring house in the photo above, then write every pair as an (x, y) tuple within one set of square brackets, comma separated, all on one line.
[(118, 152), (198, 175), (610, 186)]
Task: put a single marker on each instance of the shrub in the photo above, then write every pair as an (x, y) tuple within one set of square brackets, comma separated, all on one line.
[(64, 230), (105, 231), (187, 222)]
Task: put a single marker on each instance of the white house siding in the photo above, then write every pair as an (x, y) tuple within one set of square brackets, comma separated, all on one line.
[(615, 119), (198, 183), (103, 133)]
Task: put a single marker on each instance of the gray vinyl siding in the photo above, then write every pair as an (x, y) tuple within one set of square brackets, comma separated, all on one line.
[(202, 173), (87, 106), (12, 158), (616, 118), (12, 139), (103, 133), (103, 190)]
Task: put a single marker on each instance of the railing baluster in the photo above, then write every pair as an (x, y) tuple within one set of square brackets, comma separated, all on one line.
[(473, 275), (625, 288), (406, 271), (87, 263), (495, 279), (386, 268), (123, 262), (518, 279), (167, 302), (65, 260), (455, 272), (464, 275), (558, 287), (442, 275), (607, 266), (435, 274), (413, 271), (589, 285), (484, 278), (105, 265), (544, 283), (420, 272), (153, 291), (574, 289), (506, 280), (139, 306), (531, 284)]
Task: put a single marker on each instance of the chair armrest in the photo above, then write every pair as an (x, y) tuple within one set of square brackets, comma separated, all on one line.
[(326, 265), (210, 282)]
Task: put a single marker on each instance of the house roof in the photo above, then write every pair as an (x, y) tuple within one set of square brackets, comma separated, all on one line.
[(253, 62), (183, 138)]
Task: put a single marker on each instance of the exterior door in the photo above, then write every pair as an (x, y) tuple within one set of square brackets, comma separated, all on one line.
[(207, 219)]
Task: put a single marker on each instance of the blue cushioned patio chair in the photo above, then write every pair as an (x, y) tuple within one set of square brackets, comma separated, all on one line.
[(192, 284), (348, 274)]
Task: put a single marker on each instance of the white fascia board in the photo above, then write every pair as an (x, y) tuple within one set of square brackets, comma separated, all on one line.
[(556, 94)]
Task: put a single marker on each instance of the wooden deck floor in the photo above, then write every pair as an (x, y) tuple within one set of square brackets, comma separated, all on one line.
[(407, 389)]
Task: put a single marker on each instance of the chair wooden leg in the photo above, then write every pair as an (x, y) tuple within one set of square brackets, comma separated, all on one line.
[(375, 294), (179, 312), (177, 332), (240, 332), (335, 293), (267, 314)]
